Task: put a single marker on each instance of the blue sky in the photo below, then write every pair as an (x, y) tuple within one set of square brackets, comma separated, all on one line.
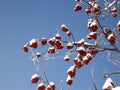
[(23, 20)]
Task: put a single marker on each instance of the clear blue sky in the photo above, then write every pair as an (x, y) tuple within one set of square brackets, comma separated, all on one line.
[(22, 20)]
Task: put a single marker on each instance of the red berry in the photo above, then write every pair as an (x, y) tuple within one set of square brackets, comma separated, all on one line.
[(35, 78), (58, 36), (41, 86), (51, 50), (25, 48), (64, 28), (70, 46), (111, 39), (77, 7), (88, 11), (67, 58), (51, 41), (33, 43), (68, 33), (78, 63), (92, 51), (38, 55), (79, 56), (43, 41), (85, 60), (92, 35), (114, 9), (71, 71), (96, 9), (69, 80), (58, 44), (51, 86), (81, 51), (89, 56), (92, 25)]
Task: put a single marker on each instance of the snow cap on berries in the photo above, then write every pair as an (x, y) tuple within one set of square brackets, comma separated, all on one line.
[(108, 84), (116, 88)]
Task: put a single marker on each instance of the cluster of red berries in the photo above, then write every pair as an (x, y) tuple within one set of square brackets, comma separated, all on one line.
[(85, 54), (85, 51), (93, 8), (42, 86), (111, 36)]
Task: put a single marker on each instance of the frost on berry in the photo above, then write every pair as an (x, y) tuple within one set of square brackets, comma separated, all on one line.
[(69, 80), (92, 35), (96, 9), (111, 38), (58, 44), (71, 71), (92, 51), (51, 86), (51, 50), (70, 45), (108, 85), (78, 63), (67, 58), (77, 7), (38, 55), (51, 41), (57, 36), (87, 58), (114, 9), (88, 11), (81, 50), (92, 25), (68, 33), (43, 41), (25, 48), (81, 42), (34, 43), (35, 78), (64, 28), (41, 86), (79, 56)]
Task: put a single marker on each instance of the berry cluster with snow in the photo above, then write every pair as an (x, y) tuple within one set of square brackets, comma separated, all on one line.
[(85, 49)]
